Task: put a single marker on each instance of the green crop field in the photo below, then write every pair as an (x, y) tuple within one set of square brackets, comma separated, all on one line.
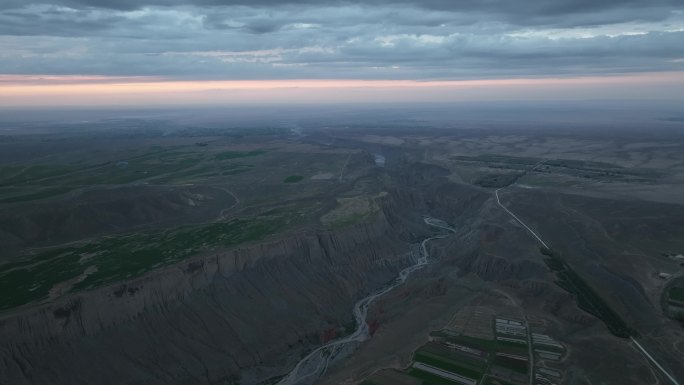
[(496, 381), (448, 365), (474, 342), (430, 379), (518, 366)]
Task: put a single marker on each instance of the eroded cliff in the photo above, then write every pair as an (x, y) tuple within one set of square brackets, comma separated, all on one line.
[(205, 320)]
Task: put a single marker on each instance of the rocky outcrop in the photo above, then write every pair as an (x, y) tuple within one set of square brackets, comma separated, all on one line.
[(206, 320)]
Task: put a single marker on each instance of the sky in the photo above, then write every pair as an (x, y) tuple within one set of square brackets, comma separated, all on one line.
[(101, 52)]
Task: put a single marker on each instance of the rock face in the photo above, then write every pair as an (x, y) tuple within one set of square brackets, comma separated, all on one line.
[(207, 320)]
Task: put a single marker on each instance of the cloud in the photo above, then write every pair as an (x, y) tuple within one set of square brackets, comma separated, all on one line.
[(373, 39)]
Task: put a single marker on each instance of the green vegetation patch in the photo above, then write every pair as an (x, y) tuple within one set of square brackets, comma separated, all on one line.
[(112, 259), (23, 174), (45, 193), (474, 342), (506, 161), (572, 168), (493, 158), (447, 364), (350, 211), (512, 346), (430, 379), (238, 154), (677, 293), (56, 179), (496, 381), (469, 360), (497, 180), (587, 299), (549, 348), (518, 366), (293, 179), (167, 164)]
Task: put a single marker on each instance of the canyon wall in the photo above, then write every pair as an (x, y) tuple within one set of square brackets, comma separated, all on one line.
[(208, 319)]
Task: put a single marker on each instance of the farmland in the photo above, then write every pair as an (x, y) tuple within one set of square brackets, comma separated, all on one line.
[(454, 356)]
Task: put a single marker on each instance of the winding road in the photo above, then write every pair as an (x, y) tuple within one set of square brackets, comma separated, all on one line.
[(314, 365)]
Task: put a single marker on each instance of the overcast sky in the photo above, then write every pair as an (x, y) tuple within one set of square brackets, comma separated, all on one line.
[(424, 40)]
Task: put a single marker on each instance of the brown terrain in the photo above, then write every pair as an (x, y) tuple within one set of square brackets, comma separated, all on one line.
[(252, 250)]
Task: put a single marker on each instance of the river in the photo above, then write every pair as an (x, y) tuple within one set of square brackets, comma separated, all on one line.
[(314, 365)]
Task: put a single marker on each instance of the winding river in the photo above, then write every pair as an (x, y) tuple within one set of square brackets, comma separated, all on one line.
[(314, 365)]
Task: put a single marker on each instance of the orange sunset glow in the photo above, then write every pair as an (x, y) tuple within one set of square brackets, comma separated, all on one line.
[(67, 90)]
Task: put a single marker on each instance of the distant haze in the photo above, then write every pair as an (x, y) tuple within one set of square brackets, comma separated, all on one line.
[(666, 87)]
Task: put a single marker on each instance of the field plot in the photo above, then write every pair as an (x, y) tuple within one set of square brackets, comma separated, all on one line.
[(477, 346), (452, 357), (473, 320), (392, 377), (455, 356)]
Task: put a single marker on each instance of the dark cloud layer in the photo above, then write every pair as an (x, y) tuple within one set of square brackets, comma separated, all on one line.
[(555, 6), (402, 39)]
